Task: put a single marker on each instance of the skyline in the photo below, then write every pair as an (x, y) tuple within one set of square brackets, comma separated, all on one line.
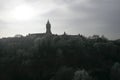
[(86, 17)]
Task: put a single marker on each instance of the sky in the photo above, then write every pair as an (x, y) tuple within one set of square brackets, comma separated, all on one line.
[(86, 17)]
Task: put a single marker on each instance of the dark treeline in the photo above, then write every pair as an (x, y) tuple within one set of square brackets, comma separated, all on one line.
[(64, 57)]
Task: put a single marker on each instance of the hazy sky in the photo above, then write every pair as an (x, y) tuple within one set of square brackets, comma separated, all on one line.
[(87, 17)]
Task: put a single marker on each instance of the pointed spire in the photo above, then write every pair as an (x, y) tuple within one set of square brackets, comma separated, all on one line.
[(48, 28), (64, 33), (48, 22)]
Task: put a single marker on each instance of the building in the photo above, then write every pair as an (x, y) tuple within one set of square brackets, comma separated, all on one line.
[(48, 28), (48, 31)]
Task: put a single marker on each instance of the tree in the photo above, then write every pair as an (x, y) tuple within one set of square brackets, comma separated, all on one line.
[(81, 75)]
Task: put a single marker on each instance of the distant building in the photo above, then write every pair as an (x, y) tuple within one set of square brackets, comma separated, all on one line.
[(18, 36), (48, 28), (48, 31)]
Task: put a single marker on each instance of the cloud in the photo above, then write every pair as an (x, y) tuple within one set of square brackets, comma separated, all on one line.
[(90, 16)]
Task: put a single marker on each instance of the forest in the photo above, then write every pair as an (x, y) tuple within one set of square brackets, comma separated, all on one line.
[(59, 57)]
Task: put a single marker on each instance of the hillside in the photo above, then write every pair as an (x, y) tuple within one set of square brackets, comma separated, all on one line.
[(59, 57)]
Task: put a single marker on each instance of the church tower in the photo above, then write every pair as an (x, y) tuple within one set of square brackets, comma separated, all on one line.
[(48, 28)]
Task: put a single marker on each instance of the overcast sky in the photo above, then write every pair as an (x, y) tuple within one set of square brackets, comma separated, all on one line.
[(87, 17)]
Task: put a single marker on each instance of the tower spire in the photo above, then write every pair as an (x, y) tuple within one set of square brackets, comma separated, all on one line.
[(48, 22), (48, 27)]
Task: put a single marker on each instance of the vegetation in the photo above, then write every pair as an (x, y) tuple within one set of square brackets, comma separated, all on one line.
[(64, 57)]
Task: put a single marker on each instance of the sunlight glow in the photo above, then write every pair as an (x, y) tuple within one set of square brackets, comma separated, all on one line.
[(23, 12)]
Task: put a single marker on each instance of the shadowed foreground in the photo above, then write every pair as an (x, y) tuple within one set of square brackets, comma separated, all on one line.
[(63, 57)]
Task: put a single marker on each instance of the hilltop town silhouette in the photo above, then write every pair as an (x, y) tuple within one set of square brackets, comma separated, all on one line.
[(48, 56), (49, 32)]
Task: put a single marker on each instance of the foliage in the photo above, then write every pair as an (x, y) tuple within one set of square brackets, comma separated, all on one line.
[(44, 57), (81, 75)]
